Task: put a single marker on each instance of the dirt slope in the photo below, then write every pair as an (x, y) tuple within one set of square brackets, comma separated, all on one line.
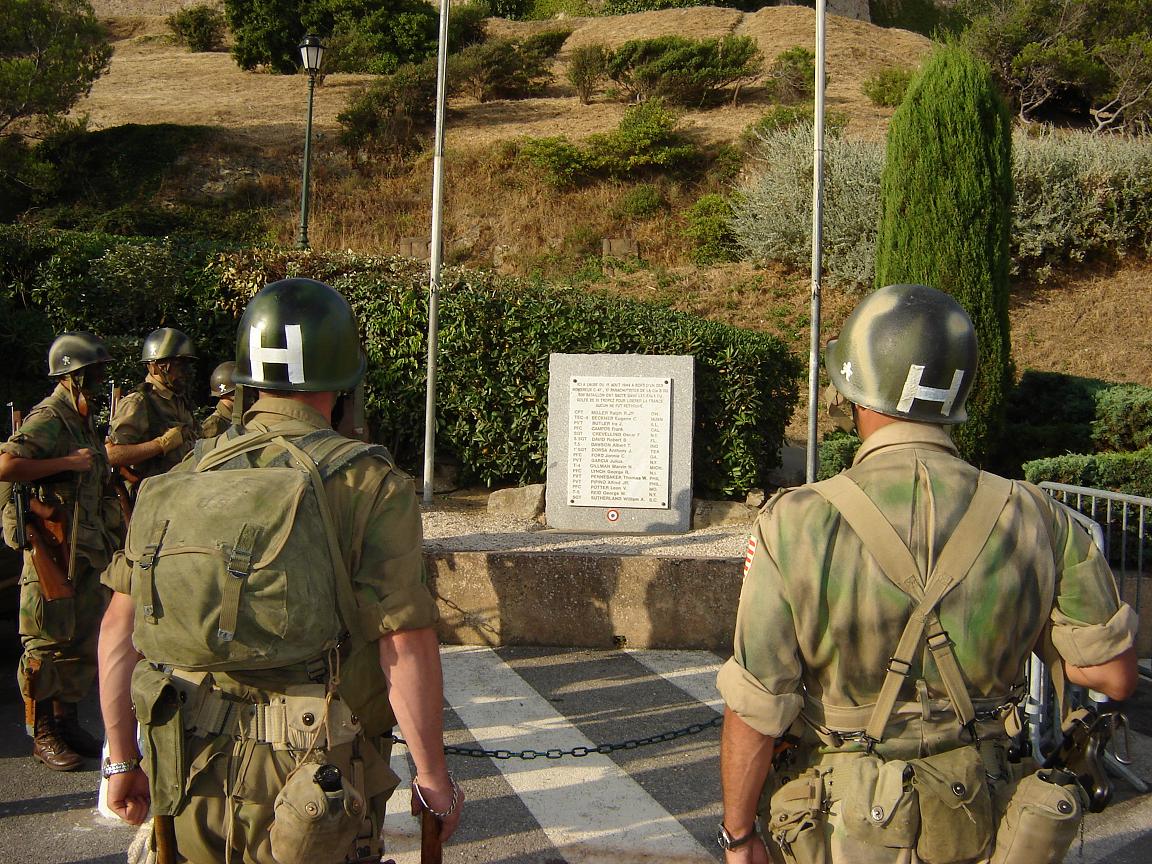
[(1097, 324)]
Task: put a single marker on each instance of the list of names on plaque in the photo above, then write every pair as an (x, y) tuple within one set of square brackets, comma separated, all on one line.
[(619, 441)]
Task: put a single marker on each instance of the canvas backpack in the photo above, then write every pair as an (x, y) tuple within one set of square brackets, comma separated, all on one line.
[(237, 566)]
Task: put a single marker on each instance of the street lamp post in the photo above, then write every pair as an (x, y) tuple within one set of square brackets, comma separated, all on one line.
[(312, 52)]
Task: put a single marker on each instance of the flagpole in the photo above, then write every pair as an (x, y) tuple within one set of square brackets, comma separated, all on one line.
[(813, 456)]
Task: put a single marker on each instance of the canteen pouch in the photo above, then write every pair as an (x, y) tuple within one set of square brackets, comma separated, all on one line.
[(157, 704), (955, 806), (878, 805), (311, 825), (1041, 821), (54, 619), (797, 820)]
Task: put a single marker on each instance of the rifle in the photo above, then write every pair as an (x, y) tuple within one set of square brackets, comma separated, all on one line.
[(119, 475), (1081, 752), (431, 849), (164, 838), (40, 529)]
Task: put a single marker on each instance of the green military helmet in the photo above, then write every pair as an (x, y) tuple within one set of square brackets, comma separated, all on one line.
[(166, 343), (221, 382), (298, 334), (906, 351), (73, 351)]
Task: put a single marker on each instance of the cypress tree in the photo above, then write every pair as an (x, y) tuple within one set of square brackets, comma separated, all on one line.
[(946, 211)]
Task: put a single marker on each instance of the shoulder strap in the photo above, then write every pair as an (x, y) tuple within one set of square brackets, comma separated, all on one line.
[(898, 565)]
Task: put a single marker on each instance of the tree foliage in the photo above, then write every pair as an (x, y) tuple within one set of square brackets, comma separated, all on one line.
[(51, 51), (946, 211), (684, 71), (362, 35), (1087, 59)]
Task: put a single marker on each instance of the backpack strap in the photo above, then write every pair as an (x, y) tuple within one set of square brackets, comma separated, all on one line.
[(899, 566)]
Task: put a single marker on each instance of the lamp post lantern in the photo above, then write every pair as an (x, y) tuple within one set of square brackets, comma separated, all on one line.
[(312, 53)]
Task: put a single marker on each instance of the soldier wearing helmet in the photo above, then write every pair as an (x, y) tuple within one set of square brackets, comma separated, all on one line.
[(58, 460), (298, 347), (223, 391), (154, 427), (856, 729)]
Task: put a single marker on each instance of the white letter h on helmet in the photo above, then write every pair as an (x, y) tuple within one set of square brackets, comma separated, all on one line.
[(913, 390), (292, 356)]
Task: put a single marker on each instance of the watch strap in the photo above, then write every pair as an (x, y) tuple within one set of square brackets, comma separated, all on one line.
[(727, 841), (110, 768)]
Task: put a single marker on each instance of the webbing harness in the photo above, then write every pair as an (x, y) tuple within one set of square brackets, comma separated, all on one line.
[(899, 566)]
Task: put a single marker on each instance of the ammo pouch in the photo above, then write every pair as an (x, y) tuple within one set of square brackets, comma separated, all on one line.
[(798, 819), (310, 824), (158, 709), (878, 805), (1042, 819), (955, 806)]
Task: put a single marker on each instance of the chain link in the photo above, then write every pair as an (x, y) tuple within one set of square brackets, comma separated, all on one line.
[(579, 752)]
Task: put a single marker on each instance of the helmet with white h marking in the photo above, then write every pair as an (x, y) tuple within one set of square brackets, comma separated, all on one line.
[(907, 351), (298, 334)]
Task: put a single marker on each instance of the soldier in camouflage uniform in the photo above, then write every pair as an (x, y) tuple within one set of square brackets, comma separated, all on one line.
[(58, 454), (154, 427), (820, 617), (224, 391), (222, 791)]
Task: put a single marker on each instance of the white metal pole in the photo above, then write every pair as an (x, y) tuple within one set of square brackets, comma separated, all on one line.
[(817, 240), (436, 251)]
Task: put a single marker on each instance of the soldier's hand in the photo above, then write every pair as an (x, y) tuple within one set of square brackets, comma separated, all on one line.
[(128, 796), (80, 460), (752, 852), (171, 439), (443, 795)]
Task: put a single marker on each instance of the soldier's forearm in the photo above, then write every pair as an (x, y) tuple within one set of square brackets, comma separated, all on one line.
[(745, 760), (411, 662), (19, 469), (118, 657), (125, 455)]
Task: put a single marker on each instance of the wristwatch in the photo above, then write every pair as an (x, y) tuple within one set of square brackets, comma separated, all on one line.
[(109, 768), (727, 841)]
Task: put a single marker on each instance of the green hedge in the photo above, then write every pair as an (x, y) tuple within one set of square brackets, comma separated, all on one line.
[(837, 451), (1120, 472), (495, 337), (1123, 418)]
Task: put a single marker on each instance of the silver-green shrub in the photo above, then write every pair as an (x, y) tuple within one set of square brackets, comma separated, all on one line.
[(772, 219), (1078, 197)]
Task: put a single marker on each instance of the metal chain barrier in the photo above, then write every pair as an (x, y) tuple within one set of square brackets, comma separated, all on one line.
[(578, 752)]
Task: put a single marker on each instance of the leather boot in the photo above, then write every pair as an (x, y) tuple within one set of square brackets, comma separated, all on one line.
[(70, 731), (47, 746)]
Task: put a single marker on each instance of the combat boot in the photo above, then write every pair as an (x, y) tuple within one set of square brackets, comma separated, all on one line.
[(70, 731), (47, 746)]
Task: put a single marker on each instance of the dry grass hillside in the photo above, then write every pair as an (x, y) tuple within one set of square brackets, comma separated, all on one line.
[(1095, 324)]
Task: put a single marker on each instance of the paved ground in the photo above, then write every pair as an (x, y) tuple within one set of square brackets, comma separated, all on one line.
[(649, 803)]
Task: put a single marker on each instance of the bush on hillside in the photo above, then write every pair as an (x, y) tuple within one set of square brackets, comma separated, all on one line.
[(498, 69), (393, 114), (684, 71), (546, 10), (837, 451), (1123, 418), (792, 75), (466, 24), (630, 7), (201, 28), (887, 87), (791, 117), (772, 218), (645, 141), (587, 67), (642, 201), (547, 43), (707, 226)]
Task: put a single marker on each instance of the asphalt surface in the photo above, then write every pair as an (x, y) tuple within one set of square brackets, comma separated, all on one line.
[(656, 802)]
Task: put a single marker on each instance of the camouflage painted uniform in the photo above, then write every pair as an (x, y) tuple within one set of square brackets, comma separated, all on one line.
[(378, 523), (59, 639), (216, 423), (818, 620), (148, 412)]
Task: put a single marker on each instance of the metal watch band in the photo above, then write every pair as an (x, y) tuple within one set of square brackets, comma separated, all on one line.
[(726, 841), (110, 768)]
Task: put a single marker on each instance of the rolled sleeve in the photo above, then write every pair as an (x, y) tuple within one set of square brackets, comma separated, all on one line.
[(767, 712), (37, 438), (1093, 644), (130, 425), (389, 575), (118, 574)]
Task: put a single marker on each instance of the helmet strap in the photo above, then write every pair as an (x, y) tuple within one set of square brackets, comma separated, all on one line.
[(75, 386)]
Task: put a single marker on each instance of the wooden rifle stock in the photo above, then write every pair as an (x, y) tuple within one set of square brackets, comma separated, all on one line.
[(431, 849), (164, 839), (50, 552)]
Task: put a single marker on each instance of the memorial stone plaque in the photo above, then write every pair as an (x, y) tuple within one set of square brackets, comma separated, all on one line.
[(620, 443)]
